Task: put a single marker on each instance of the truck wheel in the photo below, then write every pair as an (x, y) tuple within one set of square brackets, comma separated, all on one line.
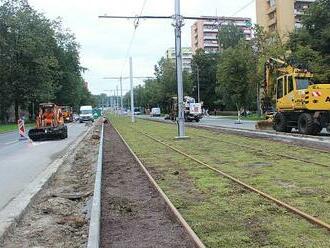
[(279, 123), (64, 132), (305, 124), (197, 120)]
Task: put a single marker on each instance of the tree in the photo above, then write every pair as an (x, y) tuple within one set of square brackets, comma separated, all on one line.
[(310, 45), (206, 64), (38, 61), (236, 77), (229, 36), (157, 92)]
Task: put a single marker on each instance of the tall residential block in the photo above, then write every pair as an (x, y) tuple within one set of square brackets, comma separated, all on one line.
[(186, 57), (204, 33), (282, 16)]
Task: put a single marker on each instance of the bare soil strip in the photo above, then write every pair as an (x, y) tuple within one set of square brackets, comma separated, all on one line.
[(133, 213)]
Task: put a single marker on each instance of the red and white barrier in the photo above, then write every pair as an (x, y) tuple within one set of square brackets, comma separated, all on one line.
[(21, 130)]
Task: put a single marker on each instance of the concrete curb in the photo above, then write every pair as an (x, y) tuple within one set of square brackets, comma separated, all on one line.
[(14, 211), (95, 221), (174, 210)]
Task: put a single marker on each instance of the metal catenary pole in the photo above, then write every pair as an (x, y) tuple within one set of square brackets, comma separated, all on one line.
[(178, 55), (114, 100), (198, 93), (132, 93), (178, 24), (117, 97), (121, 94)]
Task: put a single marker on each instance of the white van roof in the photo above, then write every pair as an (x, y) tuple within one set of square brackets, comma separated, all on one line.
[(85, 107)]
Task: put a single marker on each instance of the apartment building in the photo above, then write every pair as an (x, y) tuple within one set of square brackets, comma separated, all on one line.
[(204, 33), (186, 57), (281, 16)]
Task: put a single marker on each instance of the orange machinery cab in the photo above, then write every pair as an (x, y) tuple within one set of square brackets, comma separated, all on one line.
[(49, 124)]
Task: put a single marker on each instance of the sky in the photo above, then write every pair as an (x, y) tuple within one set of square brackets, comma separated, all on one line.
[(105, 42)]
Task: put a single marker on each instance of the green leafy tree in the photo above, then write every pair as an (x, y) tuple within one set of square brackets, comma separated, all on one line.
[(158, 92), (204, 66), (229, 36), (39, 61), (236, 77), (310, 45)]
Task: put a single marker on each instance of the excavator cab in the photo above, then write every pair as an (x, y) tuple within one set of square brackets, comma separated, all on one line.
[(299, 102), (67, 113), (290, 91), (49, 124)]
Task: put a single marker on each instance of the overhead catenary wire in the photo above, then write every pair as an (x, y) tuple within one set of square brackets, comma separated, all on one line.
[(136, 25), (243, 8)]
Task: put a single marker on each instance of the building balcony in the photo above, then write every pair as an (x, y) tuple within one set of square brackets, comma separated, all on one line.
[(211, 45), (305, 1), (210, 30), (272, 21), (209, 37), (271, 10), (298, 12)]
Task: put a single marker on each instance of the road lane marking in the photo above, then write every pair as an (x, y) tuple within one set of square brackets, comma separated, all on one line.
[(12, 142)]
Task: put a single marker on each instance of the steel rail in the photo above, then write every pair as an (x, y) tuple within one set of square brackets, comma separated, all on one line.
[(292, 209), (264, 151), (176, 213)]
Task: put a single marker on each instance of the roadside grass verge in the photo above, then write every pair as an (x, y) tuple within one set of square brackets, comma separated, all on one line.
[(251, 117), (222, 213), (4, 128)]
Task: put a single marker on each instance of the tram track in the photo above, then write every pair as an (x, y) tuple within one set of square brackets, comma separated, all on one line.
[(135, 210), (264, 151), (265, 195)]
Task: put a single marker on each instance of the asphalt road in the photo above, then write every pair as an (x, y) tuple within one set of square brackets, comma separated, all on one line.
[(23, 161)]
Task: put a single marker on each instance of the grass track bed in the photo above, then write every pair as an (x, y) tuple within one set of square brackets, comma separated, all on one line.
[(222, 213)]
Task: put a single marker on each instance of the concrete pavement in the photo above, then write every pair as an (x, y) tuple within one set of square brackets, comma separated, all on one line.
[(22, 161), (227, 122)]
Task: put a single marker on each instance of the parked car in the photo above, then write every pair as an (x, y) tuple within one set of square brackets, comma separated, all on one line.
[(137, 111)]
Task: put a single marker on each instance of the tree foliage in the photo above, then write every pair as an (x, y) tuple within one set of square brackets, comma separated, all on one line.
[(229, 36), (39, 61), (204, 66), (236, 77), (310, 45), (158, 92)]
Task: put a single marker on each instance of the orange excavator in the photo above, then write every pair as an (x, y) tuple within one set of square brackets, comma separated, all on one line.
[(49, 124), (67, 113)]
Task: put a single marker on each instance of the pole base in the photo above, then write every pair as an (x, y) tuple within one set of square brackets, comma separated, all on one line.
[(182, 137)]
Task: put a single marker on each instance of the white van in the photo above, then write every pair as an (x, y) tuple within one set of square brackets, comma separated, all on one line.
[(86, 114), (155, 112)]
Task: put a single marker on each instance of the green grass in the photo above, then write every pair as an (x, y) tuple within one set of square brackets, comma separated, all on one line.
[(4, 128), (222, 213)]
